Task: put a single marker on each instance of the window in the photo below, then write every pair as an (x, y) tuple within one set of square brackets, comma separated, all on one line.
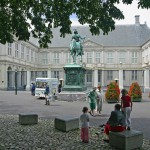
[(9, 48), (124, 75), (89, 57), (99, 75), (22, 52), (16, 50), (97, 57), (109, 75), (134, 57), (56, 74), (122, 56), (109, 57), (44, 74), (44, 58), (36, 57), (134, 74), (27, 54), (89, 76), (68, 58), (32, 56), (56, 58)]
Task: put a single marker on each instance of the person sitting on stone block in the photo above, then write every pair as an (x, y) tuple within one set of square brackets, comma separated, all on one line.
[(115, 123)]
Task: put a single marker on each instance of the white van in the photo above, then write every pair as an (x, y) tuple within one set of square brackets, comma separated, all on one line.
[(41, 85)]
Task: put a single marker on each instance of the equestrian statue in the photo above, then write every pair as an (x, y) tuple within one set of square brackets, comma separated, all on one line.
[(76, 48)]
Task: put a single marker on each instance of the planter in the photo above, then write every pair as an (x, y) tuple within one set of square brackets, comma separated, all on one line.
[(112, 100), (136, 99)]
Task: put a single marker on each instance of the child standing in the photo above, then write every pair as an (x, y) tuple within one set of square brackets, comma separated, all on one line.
[(85, 125)]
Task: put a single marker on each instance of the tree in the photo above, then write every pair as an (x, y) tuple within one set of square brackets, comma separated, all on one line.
[(19, 18)]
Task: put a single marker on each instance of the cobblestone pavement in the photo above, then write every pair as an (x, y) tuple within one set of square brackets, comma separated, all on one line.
[(43, 136)]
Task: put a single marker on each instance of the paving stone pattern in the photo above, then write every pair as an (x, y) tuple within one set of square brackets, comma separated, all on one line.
[(44, 136)]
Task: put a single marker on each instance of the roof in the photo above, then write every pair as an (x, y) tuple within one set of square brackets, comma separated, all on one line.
[(123, 35)]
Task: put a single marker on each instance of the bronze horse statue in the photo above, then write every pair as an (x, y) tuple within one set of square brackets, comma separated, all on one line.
[(76, 48)]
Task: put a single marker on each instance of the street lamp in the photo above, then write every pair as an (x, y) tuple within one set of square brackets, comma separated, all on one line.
[(16, 82), (116, 79)]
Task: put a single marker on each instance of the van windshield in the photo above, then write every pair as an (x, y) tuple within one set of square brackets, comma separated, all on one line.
[(40, 84)]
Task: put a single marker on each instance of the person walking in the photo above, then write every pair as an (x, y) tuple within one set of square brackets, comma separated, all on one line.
[(126, 105), (47, 91), (99, 99), (84, 118), (92, 96)]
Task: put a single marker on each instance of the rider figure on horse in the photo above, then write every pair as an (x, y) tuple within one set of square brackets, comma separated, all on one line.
[(76, 46)]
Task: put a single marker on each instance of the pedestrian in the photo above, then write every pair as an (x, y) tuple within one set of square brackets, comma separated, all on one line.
[(115, 122), (126, 104), (32, 89), (59, 87), (99, 99), (92, 96), (47, 91), (84, 118)]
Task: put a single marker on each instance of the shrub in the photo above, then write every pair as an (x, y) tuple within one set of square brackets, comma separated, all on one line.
[(135, 90), (112, 92)]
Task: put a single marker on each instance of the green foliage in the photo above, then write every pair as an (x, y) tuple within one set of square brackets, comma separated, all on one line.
[(19, 18)]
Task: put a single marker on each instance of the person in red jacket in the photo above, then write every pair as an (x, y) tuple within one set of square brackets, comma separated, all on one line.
[(126, 105)]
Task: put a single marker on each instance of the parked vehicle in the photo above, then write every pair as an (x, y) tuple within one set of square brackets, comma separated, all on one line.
[(41, 85)]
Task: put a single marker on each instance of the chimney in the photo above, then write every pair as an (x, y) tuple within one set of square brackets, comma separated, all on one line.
[(137, 19)]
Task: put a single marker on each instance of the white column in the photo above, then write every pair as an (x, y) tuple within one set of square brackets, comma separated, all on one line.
[(95, 78), (49, 73), (28, 80), (120, 79), (146, 80), (3, 77)]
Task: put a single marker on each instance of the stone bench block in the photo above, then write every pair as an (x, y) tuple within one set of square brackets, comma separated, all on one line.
[(28, 118), (126, 140), (66, 123)]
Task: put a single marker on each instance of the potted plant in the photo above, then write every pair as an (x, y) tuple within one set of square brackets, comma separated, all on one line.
[(112, 93), (135, 92)]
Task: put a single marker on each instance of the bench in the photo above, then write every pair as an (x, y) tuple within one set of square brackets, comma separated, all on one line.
[(66, 123), (28, 118), (126, 140)]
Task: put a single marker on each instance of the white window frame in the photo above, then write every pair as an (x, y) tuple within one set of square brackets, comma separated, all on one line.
[(97, 57), (122, 56), (10, 48), (89, 57), (22, 51), (109, 57), (16, 50), (44, 58), (68, 58), (134, 74), (134, 57), (27, 54), (56, 58)]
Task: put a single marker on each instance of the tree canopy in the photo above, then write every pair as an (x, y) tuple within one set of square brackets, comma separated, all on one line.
[(19, 18)]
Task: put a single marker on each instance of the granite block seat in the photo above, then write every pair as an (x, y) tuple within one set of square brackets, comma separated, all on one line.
[(126, 140), (66, 123), (28, 118)]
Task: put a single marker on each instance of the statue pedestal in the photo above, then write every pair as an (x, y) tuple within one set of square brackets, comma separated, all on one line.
[(71, 96), (74, 84), (74, 78)]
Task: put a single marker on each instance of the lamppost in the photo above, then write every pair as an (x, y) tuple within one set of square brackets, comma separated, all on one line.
[(16, 82)]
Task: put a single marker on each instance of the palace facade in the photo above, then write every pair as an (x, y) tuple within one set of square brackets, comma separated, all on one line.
[(122, 55)]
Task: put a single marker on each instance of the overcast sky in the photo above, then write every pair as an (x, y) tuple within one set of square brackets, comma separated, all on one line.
[(129, 12)]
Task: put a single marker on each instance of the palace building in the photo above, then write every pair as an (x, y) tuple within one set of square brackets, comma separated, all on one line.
[(122, 55)]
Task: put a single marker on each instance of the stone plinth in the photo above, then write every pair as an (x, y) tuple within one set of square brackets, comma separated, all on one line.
[(28, 118), (66, 123), (74, 78), (71, 96), (126, 140)]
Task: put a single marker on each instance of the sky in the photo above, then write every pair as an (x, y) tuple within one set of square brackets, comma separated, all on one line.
[(129, 12)]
